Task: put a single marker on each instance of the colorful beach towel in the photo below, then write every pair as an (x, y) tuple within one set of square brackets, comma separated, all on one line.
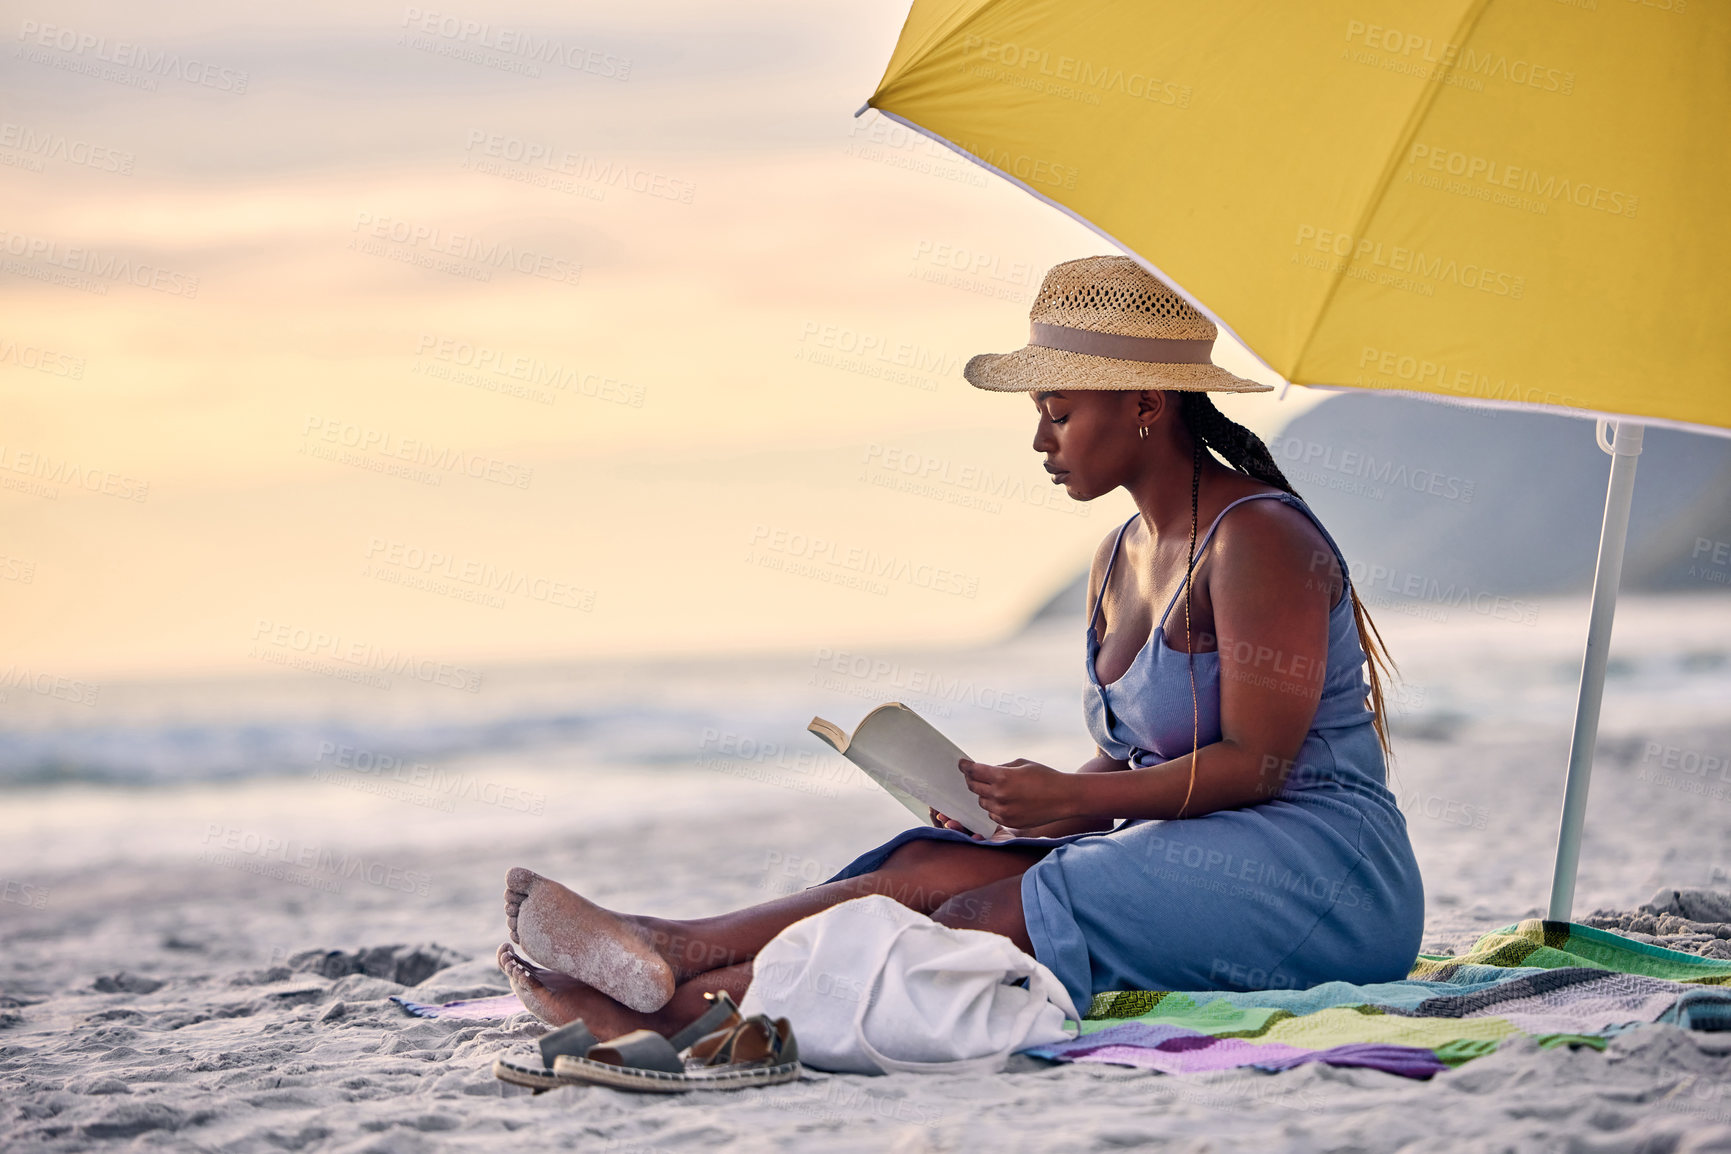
[(1560, 983)]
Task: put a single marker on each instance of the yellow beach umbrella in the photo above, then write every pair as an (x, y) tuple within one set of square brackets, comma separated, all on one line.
[(1512, 202)]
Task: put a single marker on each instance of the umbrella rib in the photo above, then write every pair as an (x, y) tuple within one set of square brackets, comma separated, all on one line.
[(1415, 117)]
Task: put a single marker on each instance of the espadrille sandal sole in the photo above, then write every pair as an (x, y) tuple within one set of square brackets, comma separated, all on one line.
[(582, 1070)]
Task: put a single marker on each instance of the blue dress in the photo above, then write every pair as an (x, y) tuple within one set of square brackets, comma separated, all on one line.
[(1317, 884)]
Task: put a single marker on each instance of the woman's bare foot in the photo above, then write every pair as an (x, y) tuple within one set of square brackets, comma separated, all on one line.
[(565, 931), (558, 999)]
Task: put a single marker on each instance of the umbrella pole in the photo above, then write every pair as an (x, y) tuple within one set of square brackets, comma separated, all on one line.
[(1625, 453)]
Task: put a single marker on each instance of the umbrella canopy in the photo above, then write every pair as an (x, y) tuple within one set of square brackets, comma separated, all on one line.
[(1498, 200), (1513, 202)]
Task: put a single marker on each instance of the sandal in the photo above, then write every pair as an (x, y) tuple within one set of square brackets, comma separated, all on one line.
[(571, 1038), (575, 1039), (719, 1051)]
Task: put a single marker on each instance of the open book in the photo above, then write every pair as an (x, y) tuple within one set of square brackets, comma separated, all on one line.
[(901, 751)]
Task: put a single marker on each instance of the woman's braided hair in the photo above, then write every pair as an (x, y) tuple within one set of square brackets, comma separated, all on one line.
[(1244, 451)]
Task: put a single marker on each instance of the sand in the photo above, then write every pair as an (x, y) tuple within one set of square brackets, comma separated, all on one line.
[(149, 1000), (154, 1006)]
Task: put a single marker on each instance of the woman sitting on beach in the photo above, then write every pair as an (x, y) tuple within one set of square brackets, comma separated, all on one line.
[(1238, 722)]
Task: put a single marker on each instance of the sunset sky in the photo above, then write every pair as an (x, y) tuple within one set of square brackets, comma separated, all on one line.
[(361, 323)]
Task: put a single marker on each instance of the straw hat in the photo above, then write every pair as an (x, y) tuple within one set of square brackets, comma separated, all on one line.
[(1104, 322)]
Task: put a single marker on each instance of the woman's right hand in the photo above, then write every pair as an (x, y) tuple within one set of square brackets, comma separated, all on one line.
[(1100, 763)]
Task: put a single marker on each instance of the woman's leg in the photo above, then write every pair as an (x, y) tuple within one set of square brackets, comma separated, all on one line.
[(556, 998), (995, 907), (568, 933), (922, 875)]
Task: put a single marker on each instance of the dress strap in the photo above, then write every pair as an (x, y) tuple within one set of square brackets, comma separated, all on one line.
[(1107, 576), (1283, 498)]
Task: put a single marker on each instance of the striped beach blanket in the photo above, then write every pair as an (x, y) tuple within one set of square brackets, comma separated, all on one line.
[(1560, 983)]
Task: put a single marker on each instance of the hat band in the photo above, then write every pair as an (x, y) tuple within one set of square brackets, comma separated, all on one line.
[(1160, 350)]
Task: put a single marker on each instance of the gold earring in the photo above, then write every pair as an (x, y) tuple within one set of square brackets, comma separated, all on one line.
[(1142, 432)]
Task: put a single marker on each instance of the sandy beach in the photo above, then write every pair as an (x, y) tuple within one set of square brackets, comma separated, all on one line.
[(147, 932)]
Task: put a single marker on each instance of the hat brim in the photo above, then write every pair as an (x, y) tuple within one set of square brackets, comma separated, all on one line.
[(1035, 367)]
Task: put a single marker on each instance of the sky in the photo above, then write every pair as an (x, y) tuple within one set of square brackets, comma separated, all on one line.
[(505, 333)]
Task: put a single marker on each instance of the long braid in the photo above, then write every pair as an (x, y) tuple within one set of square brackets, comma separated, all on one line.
[(1189, 633), (1244, 451)]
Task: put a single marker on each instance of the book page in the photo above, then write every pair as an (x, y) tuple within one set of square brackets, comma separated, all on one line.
[(906, 755)]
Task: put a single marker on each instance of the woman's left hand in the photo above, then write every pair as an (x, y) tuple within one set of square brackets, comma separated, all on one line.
[(1021, 794)]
